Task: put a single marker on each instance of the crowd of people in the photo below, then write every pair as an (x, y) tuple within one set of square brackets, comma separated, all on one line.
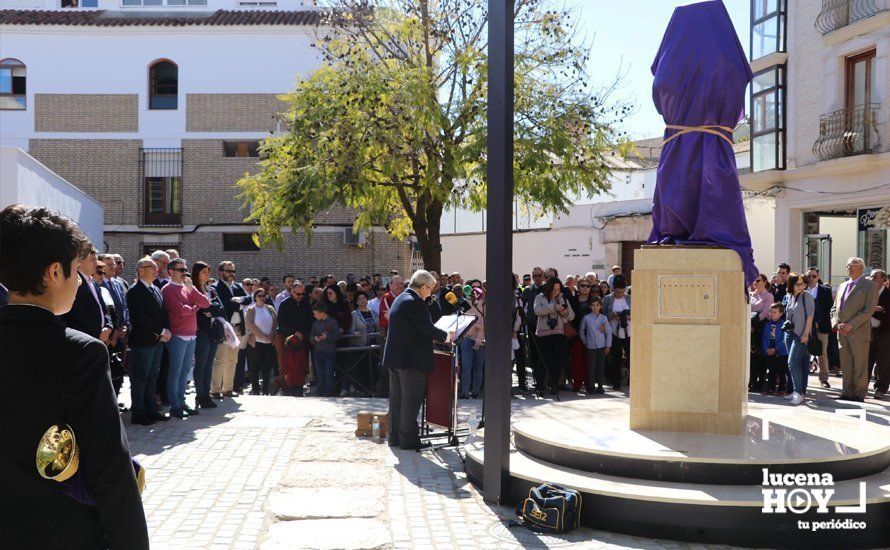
[(175, 323), (800, 324)]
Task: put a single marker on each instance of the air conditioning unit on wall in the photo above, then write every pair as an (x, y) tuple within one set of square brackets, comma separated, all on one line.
[(351, 238)]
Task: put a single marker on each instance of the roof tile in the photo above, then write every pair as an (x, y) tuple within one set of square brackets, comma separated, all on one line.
[(105, 18)]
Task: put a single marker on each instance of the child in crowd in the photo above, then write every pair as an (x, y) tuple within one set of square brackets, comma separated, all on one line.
[(324, 336), (775, 352), (596, 333)]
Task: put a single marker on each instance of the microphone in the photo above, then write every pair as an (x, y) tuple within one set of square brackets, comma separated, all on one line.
[(458, 303), (467, 291)]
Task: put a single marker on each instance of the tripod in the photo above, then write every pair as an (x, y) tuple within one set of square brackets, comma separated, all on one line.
[(548, 378)]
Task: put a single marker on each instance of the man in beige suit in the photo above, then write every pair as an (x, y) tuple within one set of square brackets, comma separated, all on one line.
[(853, 307)]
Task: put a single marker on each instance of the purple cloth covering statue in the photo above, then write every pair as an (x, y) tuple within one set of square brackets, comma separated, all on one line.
[(700, 77)]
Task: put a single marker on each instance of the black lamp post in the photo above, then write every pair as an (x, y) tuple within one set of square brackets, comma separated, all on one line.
[(499, 251)]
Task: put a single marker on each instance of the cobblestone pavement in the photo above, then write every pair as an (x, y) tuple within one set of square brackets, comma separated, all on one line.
[(280, 473)]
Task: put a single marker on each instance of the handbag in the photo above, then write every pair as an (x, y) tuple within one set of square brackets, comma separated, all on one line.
[(551, 508), (814, 345), (217, 331)]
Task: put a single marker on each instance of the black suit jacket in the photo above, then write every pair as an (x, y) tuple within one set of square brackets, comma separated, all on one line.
[(149, 318), (824, 301), (409, 340), (226, 295), (294, 316), (61, 376), (85, 313)]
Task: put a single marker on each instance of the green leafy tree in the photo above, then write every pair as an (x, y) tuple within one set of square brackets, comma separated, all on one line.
[(393, 125)]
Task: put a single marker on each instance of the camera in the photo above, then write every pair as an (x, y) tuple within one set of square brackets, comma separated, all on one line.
[(622, 318), (788, 327), (551, 322)]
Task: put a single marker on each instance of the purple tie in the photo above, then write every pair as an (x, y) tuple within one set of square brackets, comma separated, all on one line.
[(92, 286), (847, 292)]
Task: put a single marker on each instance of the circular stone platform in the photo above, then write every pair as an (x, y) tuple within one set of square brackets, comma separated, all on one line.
[(704, 488), (593, 435)]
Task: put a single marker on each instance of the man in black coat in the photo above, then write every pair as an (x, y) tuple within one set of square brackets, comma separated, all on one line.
[(150, 329), (222, 383), (822, 320), (408, 355), (88, 314), (531, 325), (40, 253)]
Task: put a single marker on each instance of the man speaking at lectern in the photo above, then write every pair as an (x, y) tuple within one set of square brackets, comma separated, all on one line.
[(409, 357)]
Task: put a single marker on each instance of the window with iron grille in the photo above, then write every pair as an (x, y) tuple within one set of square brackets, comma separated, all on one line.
[(162, 186)]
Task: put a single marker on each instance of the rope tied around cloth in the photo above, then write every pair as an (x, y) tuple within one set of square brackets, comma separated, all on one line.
[(707, 129)]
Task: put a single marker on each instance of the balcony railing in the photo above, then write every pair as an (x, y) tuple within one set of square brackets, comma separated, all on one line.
[(848, 132), (837, 14)]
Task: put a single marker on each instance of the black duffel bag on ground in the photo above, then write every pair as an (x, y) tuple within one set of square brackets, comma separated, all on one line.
[(551, 508)]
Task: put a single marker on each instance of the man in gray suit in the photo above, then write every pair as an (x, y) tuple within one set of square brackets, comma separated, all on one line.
[(853, 307)]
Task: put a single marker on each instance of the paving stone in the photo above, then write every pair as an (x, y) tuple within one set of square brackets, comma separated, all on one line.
[(353, 502), (325, 534), (333, 474)]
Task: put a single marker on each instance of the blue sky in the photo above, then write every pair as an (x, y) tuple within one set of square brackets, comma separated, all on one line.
[(626, 35)]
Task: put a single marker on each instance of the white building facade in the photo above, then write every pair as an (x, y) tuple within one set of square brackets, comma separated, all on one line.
[(156, 109), (819, 111)]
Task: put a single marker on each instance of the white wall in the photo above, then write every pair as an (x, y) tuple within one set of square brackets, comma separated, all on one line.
[(568, 250), (23, 180), (115, 60), (760, 213)]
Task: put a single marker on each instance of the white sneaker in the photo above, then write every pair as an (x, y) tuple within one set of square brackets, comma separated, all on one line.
[(796, 398), (791, 395)]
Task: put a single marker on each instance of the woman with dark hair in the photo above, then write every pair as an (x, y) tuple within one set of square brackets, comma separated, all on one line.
[(365, 328), (340, 311), (554, 313), (605, 288), (262, 324), (799, 312), (595, 290), (580, 306), (760, 299), (205, 342)]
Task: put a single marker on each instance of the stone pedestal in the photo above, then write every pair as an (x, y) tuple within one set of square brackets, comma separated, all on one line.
[(690, 341)]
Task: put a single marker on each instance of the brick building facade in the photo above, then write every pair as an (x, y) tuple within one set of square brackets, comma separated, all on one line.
[(159, 119)]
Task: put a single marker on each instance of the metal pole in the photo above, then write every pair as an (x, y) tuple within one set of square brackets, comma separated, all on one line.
[(499, 250)]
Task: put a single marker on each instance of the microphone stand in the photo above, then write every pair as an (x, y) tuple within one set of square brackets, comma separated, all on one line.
[(452, 431)]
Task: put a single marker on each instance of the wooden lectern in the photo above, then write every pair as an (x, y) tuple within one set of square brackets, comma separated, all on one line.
[(690, 341)]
